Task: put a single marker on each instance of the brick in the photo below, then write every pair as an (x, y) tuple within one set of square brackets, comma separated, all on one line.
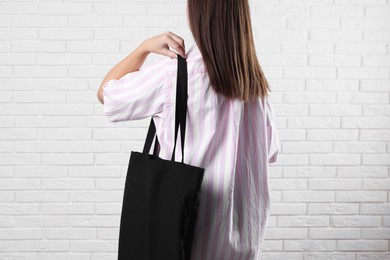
[(332, 134), (335, 110), (68, 184), (338, 60), (361, 171), (40, 21), (356, 221), (7, 196), (18, 34), (303, 221), (337, 11), (375, 85), (376, 233), (334, 184), (18, 59), (333, 209), (9, 8), (376, 159), (312, 23), (310, 245), (360, 47), (39, 97), (363, 73), (329, 255), (41, 221), (166, 8), (46, 245), (376, 35), (310, 72), (286, 233), (42, 196), (309, 171), (306, 48), (68, 233), (39, 71), (96, 196), (307, 147), (66, 34), (336, 35), (21, 233), (42, 147), (40, 121), (94, 171), (375, 208), (360, 196), (66, 109), (38, 46), (309, 97), (20, 184), (64, 59), (359, 147), (120, 8), (65, 8), (290, 184), (20, 159), (280, 35), (313, 122), (378, 23), (362, 245), (290, 208), (376, 184), (110, 184), (374, 135), (95, 21), (365, 122), (67, 159), (282, 10), (18, 209), (377, 11), (308, 196), (6, 21), (40, 171), (270, 59)]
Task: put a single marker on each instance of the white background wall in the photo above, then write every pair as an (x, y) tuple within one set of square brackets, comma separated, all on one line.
[(63, 164)]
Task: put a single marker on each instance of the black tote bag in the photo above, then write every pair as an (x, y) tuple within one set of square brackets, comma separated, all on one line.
[(161, 197)]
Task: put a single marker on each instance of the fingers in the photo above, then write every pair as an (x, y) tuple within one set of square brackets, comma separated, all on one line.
[(177, 43), (169, 53), (178, 39)]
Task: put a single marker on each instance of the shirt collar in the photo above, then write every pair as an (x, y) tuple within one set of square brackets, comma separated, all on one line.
[(193, 49)]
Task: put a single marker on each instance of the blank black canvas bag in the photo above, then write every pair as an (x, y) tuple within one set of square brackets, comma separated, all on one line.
[(161, 197)]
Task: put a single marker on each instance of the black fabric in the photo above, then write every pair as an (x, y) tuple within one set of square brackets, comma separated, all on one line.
[(161, 197)]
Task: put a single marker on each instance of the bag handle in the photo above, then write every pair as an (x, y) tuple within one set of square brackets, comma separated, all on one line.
[(181, 111)]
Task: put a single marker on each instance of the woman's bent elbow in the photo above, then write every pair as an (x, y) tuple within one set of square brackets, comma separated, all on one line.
[(100, 96)]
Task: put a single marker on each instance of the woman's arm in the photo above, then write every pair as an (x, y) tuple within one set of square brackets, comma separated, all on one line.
[(129, 64), (157, 44)]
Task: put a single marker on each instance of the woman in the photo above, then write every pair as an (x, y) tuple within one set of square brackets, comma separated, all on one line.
[(230, 122)]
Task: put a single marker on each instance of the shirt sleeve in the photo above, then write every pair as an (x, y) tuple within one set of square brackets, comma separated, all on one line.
[(273, 146), (137, 95)]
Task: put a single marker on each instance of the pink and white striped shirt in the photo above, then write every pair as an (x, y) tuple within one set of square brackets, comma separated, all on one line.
[(234, 141)]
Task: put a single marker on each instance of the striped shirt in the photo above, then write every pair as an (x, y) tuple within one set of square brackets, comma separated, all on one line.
[(234, 141)]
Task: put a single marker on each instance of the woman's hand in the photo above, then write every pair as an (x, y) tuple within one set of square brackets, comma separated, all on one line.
[(160, 44)]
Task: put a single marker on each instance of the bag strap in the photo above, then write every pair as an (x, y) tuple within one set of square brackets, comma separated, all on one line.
[(181, 105), (180, 115)]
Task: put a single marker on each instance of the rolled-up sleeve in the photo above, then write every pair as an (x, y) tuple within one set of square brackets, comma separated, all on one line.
[(137, 95), (273, 145)]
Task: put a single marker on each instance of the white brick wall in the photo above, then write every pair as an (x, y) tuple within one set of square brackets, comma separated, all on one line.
[(63, 165)]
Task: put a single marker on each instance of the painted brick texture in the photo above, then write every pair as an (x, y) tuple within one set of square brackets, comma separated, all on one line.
[(63, 164)]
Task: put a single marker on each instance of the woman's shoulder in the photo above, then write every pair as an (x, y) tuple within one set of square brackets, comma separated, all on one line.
[(194, 62)]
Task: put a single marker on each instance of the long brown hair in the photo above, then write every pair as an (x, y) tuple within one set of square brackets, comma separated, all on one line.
[(223, 33)]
